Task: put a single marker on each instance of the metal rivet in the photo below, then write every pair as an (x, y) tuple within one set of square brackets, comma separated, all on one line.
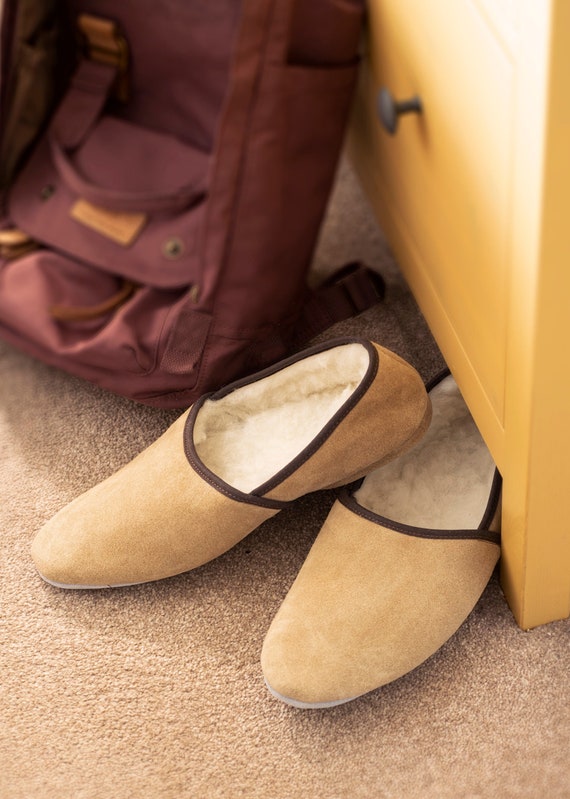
[(173, 247), (47, 192)]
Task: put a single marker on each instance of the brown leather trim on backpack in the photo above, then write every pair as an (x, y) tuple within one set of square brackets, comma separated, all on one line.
[(14, 243), (82, 313), (104, 43)]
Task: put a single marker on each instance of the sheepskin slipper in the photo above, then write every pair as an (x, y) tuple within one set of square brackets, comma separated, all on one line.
[(397, 567), (234, 459)]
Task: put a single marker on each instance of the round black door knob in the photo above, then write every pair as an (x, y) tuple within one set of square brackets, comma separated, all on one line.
[(391, 110)]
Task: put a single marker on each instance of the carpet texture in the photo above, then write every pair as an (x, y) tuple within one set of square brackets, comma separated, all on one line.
[(156, 691)]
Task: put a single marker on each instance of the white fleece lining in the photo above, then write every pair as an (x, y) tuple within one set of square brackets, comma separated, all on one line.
[(249, 435), (444, 482)]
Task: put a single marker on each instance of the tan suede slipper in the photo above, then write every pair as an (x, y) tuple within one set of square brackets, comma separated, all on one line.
[(238, 456), (375, 596)]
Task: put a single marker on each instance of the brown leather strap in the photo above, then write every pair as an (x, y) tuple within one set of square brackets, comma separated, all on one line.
[(13, 237), (14, 243), (82, 313), (104, 43)]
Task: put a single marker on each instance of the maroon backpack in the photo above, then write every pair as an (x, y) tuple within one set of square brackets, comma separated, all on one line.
[(165, 168)]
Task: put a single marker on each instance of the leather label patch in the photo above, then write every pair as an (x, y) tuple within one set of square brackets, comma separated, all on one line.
[(119, 226)]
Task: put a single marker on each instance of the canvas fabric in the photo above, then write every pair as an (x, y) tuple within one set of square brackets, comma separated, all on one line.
[(165, 168)]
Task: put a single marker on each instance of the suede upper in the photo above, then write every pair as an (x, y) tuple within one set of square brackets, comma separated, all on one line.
[(396, 568), (396, 396), (153, 518), (166, 512), (369, 605)]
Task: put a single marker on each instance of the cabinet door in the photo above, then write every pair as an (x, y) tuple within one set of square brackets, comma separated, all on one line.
[(441, 183)]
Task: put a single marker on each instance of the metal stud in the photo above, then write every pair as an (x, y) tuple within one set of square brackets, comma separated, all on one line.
[(173, 248), (47, 191)]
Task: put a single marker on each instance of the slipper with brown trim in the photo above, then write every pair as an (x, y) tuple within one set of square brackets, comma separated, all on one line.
[(317, 420), (397, 567)]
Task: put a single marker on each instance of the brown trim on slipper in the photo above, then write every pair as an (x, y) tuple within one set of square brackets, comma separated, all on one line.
[(331, 425), (482, 533), (255, 497), (209, 476), (437, 378), (286, 362)]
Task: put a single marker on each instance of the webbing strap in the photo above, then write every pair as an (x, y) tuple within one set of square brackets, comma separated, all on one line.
[(83, 103), (102, 73), (349, 291)]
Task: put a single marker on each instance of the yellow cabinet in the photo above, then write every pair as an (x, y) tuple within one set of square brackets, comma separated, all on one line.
[(473, 192)]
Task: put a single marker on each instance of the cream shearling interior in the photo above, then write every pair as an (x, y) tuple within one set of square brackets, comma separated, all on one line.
[(252, 433), (442, 483)]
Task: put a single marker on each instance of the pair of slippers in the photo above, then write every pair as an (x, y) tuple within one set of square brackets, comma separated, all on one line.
[(402, 558)]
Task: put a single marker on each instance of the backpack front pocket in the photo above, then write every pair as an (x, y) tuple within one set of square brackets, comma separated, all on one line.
[(127, 200)]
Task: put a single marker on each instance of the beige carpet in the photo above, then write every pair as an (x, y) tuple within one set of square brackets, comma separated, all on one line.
[(156, 691)]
